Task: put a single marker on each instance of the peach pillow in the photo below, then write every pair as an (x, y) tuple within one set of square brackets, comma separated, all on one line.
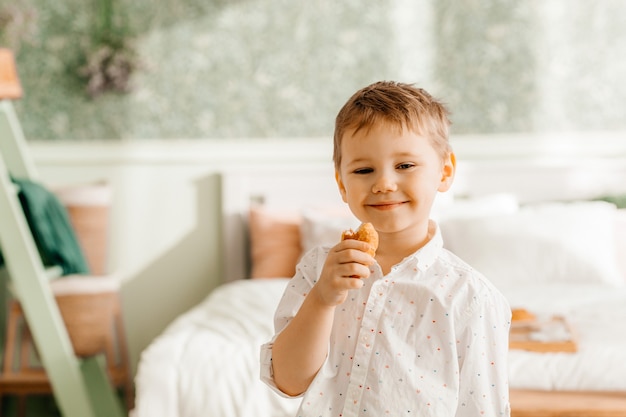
[(274, 242)]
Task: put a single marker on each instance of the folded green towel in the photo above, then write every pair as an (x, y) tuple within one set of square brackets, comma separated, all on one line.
[(51, 228)]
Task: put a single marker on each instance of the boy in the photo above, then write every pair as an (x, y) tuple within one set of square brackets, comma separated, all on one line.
[(413, 331)]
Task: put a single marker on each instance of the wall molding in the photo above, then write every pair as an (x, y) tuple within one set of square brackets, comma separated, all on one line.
[(221, 153)]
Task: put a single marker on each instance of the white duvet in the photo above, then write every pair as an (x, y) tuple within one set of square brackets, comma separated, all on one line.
[(206, 363), (597, 314)]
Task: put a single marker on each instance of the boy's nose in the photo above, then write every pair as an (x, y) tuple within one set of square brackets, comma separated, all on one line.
[(384, 184)]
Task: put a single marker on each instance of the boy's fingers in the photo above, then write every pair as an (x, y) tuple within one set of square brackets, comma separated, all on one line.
[(356, 283), (354, 244)]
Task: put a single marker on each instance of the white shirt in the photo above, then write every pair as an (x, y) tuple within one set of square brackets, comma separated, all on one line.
[(428, 339)]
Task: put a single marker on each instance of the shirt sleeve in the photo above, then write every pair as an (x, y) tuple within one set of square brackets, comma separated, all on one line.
[(267, 372), (483, 358), (296, 291)]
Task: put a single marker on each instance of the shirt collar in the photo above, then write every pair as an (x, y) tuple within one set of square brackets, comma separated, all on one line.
[(424, 257)]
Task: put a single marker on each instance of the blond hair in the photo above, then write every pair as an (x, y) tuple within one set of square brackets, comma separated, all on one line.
[(399, 105)]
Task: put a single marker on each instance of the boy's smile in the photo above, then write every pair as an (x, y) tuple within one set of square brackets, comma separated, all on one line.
[(387, 205), (390, 177)]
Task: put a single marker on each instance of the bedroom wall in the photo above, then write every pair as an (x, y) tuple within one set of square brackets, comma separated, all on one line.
[(265, 68)]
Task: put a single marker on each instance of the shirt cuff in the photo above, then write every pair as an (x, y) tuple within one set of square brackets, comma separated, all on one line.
[(267, 371)]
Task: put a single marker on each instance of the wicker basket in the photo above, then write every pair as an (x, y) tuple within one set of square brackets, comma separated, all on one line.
[(89, 321), (89, 307)]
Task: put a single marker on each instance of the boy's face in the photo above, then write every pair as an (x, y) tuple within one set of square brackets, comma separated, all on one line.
[(390, 177)]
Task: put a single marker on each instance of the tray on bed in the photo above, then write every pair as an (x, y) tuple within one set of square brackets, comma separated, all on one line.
[(543, 334)]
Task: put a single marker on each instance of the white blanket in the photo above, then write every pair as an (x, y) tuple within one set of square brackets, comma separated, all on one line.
[(206, 363), (597, 314)]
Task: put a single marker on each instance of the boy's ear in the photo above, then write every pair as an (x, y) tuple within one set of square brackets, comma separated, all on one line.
[(447, 172), (342, 188)]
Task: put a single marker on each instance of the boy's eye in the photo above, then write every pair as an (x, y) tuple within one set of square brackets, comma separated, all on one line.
[(363, 170), (405, 165)]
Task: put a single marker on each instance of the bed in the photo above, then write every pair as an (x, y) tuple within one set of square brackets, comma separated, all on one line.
[(544, 223)]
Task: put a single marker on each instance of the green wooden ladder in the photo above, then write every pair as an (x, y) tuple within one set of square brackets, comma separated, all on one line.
[(80, 385)]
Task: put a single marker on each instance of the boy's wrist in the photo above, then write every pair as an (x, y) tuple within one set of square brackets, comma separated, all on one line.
[(319, 301)]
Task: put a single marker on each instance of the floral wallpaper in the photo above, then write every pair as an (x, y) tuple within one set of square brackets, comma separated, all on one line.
[(276, 68)]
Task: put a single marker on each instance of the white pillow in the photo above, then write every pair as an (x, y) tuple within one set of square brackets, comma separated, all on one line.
[(323, 226), (479, 206), (620, 241), (550, 242)]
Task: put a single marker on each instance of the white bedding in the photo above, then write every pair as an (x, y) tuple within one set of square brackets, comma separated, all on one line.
[(597, 314), (206, 362)]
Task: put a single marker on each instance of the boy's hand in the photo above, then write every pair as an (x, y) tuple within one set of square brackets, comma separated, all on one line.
[(347, 263)]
